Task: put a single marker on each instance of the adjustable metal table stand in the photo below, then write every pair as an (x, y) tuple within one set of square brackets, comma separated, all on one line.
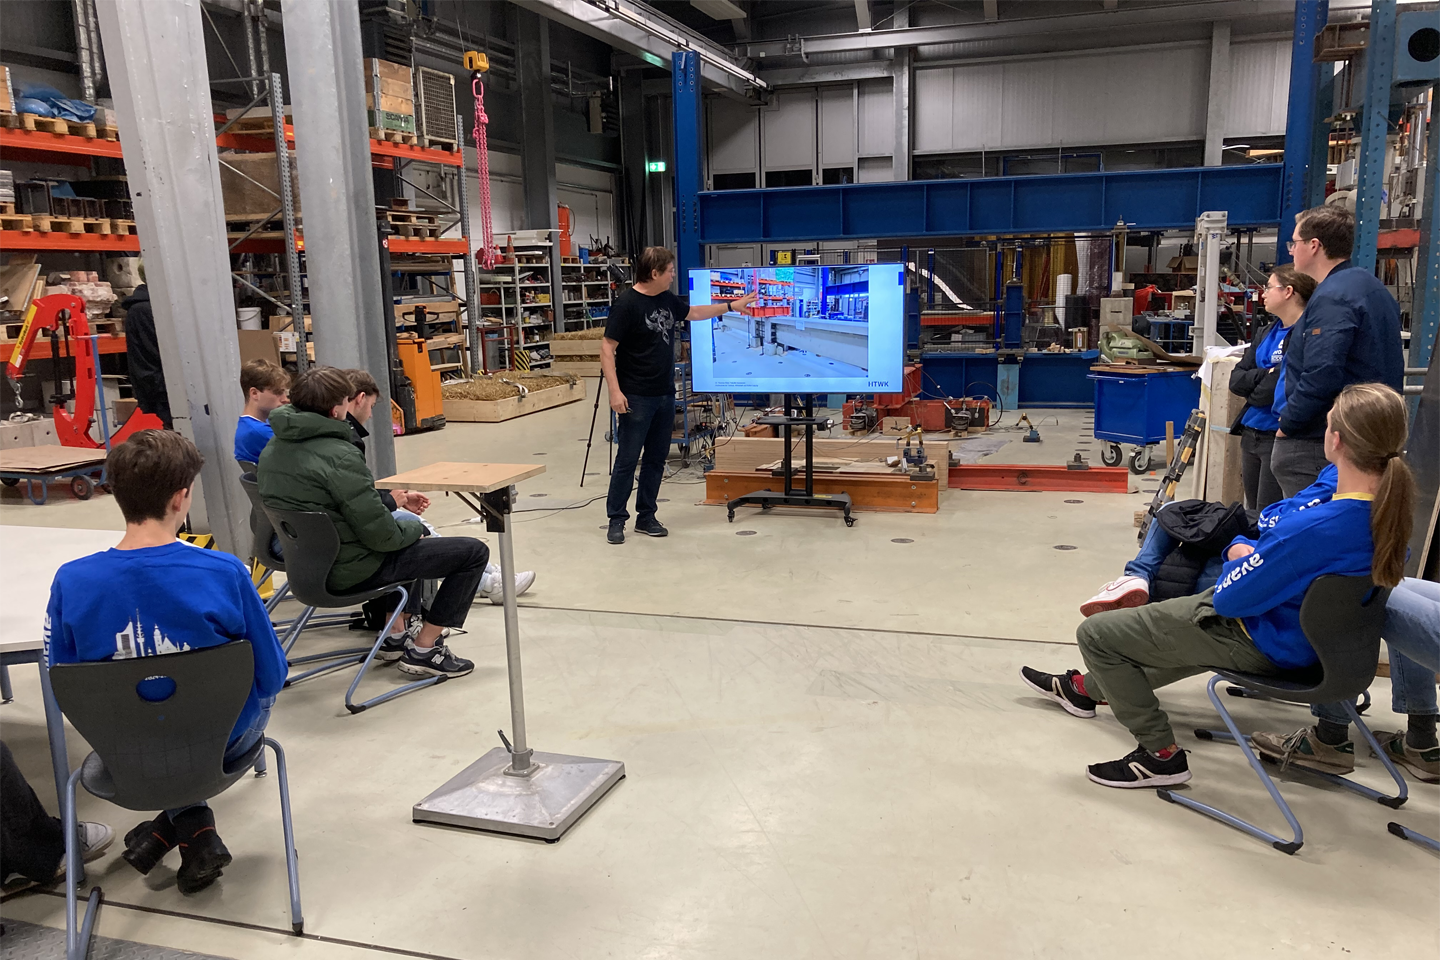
[(788, 495), (511, 789)]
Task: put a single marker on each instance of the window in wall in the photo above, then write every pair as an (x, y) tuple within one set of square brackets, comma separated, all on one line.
[(1038, 164), (789, 178), (838, 175), (733, 181), (964, 166), (1246, 150)]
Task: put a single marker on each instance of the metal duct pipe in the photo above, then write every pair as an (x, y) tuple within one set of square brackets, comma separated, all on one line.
[(97, 58), (82, 49)]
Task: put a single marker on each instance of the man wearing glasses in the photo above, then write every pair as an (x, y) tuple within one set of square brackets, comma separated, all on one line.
[(1349, 333)]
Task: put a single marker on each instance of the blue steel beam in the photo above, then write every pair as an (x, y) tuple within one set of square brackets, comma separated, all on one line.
[(1300, 119), (1062, 203), (1379, 72), (689, 149)]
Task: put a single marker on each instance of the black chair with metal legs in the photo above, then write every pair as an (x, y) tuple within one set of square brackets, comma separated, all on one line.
[(159, 749), (311, 544), (1342, 618), (290, 630)]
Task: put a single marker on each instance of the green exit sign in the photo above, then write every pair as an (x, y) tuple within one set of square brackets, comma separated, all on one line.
[(655, 166)]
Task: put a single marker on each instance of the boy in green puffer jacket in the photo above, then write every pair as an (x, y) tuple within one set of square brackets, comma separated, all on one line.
[(312, 465)]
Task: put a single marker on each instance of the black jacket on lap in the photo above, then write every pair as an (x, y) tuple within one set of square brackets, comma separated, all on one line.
[(1203, 529)]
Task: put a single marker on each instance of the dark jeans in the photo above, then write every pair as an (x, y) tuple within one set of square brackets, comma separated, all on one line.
[(1261, 487), (1296, 462), (32, 843), (459, 562), (647, 426)]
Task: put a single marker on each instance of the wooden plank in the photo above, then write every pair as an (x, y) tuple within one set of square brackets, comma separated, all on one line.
[(1033, 476), (45, 459), (496, 411), (590, 369), (462, 477), (868, 491), (750, 453), (587, 349)]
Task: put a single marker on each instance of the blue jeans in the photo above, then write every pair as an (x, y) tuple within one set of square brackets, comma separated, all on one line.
[(646, 427), (238, 747), (1157, 547), (1412, 631)]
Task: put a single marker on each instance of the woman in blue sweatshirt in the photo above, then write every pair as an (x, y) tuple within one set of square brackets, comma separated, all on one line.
[(1250, 620)]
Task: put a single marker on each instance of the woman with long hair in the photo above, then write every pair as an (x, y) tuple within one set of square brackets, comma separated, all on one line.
[(1355, 521), (1255, 378)]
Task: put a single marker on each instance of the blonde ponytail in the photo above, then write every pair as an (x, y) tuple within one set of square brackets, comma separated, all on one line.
[(1371, 420)]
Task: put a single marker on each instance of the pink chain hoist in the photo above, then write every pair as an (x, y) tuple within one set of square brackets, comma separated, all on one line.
[(488, 253)]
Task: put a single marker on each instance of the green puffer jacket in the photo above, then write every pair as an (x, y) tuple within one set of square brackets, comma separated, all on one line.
[(312, 465)]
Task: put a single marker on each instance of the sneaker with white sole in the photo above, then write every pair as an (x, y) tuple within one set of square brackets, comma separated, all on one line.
[(436, 661), (393, 648), (1058, 687), (495, 592), (1141, 770), (1117, 595), (1423, 764), (1304, 749)]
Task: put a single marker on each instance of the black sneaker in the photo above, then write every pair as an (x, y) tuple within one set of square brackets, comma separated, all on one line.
[(436, 661), (1059, 688), (203, 857), (148, 843), (652, 529), (392, 648), (1141, 769), (616, 533)]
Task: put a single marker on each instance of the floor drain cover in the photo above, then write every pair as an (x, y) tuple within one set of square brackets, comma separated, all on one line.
[(744, 533), (902, 540), (1063, 546), (1074, 501), (537, 454), (539, 494), (662, 500)]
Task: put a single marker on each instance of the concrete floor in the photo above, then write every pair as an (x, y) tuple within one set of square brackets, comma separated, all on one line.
[(829, 755)]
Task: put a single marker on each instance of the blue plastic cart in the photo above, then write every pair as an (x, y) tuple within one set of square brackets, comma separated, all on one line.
[(1132, 407)]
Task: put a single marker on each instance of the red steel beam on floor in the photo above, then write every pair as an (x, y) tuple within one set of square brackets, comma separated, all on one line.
[(1039, 476)]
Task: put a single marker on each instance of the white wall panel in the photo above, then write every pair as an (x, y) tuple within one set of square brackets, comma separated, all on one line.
[(876, 118), (1259, 89), (734, 140), (1098, 98), (837, 125), (789, 123)]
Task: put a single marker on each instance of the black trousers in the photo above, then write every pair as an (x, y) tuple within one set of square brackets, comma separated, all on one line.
[(32, 843), (458, 562), (1297, 462), (1261, 487)]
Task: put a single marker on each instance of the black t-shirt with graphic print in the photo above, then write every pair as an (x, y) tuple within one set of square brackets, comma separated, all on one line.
[(645, 329)]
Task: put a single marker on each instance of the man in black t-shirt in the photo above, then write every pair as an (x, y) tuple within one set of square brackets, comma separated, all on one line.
[(638, 358)]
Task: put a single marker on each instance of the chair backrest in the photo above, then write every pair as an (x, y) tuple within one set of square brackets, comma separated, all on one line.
[(246, 466), (159, 752), (1342, 618), (310, 544), (260, 525)]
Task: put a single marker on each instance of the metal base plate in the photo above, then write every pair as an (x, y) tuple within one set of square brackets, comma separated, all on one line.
[(543, 805)]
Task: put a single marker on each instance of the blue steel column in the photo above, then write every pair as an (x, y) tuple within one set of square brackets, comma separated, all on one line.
[(1301, 117), (689, 164), (1425, 317), (1379, 71), (1318, 177)]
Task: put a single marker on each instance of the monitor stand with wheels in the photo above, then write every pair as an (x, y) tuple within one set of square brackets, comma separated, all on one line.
[(791, 496)]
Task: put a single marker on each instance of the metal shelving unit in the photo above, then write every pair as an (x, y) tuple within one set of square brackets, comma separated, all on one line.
[(516, 316), (591, 281)]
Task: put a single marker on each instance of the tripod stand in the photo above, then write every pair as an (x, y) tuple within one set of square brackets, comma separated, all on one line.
[(609, 434)]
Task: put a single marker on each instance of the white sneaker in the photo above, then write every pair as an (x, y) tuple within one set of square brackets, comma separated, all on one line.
[(523, 581), (94, 839), (1117, 595)]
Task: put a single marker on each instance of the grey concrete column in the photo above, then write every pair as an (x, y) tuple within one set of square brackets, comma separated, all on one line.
[(902, 87), (168, 128), (337, 199), (1218, 100), (537, 146)]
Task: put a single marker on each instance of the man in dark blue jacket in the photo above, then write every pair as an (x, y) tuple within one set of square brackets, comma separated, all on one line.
[(1349, 333)]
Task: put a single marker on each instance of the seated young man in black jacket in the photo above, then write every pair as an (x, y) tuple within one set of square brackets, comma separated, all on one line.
[(1255, 378)]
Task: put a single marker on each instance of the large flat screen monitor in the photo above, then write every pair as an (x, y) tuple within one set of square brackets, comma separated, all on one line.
[(815, 330)]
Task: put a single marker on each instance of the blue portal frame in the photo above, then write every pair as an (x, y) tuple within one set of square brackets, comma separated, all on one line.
[(1062, 203)]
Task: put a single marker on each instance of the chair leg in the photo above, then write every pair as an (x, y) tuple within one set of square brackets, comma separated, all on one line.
[(281, 592), (1402, 789), (1284, 846), (292, 859), (77, 941), (6, 694), (360, 674), (1405, 833)]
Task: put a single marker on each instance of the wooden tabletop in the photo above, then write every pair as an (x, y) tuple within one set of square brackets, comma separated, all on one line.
[(20, 646), (462, 477)]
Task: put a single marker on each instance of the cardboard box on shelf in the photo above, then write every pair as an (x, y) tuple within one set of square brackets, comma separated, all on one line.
[(260, 345), (1184, 264), (247, 193)]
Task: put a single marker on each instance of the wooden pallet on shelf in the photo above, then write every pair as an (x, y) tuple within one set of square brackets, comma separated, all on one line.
[(435, 143), (12, 221), (66, 128), (394, 136)]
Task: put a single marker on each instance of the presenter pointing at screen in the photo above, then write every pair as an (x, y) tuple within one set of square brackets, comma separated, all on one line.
[(637, 357)]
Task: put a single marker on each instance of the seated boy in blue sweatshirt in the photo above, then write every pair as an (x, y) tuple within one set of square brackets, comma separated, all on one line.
[(1250, 620), (266, 387), (151, 595)]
